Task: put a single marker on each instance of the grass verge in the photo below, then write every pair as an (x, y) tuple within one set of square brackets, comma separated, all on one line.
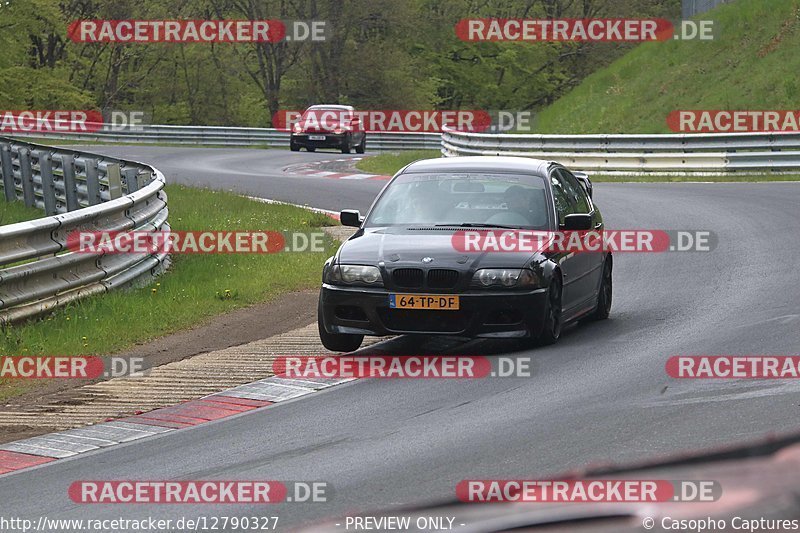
[(197, 286), (388, 164), (752, 63), (12, 212)]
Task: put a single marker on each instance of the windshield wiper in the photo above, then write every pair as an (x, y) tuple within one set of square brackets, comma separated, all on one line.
[(475, 225)]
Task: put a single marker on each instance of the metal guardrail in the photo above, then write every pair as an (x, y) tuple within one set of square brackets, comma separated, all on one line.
[(79, 192), (225, 136), (683, 154)]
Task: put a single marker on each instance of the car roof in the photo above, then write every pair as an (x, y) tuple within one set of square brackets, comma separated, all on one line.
[(332, 106), (480, 164)]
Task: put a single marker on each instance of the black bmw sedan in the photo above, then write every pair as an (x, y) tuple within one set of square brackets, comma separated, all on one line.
[(406, 270)]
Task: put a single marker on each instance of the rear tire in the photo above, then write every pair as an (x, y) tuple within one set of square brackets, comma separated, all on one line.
[(551, 331), (294, 147), (604, 297), (362, 146), (310, 148), (336, 342)]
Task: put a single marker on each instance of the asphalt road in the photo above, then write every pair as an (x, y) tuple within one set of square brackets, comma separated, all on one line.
[(600, 395), (254, 172)]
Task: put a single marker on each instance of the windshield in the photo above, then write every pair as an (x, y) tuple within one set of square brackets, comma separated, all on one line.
[(327, 111), (504, 200)]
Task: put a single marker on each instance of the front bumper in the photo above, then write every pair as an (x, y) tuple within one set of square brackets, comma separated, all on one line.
[(332, 140), (482, 314)]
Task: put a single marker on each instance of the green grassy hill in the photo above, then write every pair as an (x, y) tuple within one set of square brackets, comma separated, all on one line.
[(753, 64)]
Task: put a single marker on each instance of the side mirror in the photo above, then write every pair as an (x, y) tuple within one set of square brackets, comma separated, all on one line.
[(350, 217), (576, 222)]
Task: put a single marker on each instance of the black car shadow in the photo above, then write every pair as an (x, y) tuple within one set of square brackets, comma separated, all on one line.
[(452, 345)]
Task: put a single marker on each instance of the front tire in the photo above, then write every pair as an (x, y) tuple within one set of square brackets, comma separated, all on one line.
[(346, 145), (294, 147), (362, 146), (606, 293), (310, 148), (551, 331), (336, 342)]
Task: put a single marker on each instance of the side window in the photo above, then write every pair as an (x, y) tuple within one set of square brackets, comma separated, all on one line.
[(562, 199), (576, 192)]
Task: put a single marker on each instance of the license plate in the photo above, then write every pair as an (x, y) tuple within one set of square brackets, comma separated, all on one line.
[(316, 137), (423, 301)]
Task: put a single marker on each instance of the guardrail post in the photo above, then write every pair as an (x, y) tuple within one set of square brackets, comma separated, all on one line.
[(114, 181), (131, 180), (48, 185), (70, 185), (145, 178), (26, 175), (92, 182), (8, 172)]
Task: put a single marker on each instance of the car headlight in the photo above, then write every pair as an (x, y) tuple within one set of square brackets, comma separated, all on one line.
[(356, 275), (505, 277)]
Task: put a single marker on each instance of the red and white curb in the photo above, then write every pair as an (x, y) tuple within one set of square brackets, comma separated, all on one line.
[(34, 451), (317, 170), (327, 212)]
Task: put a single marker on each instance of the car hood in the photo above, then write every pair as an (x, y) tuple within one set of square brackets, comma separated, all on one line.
[(322, 123), (757, 480), (406, 246), (328, 127)]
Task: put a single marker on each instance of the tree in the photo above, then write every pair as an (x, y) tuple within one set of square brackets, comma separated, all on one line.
[(266, 63)]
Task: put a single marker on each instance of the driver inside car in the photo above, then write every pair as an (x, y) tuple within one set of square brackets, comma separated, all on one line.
[(517, 201)]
